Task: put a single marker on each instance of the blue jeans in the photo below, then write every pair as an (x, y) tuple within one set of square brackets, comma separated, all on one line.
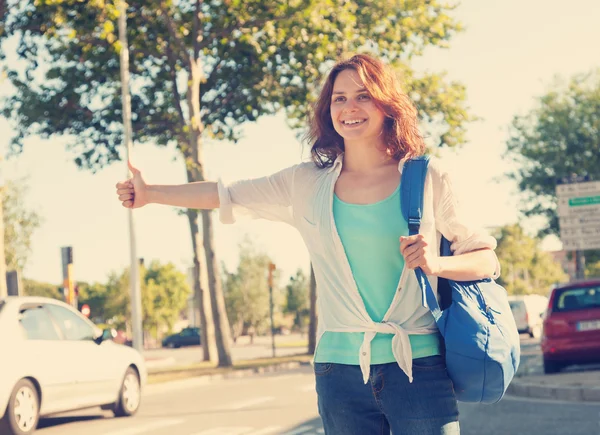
[(427, 406)]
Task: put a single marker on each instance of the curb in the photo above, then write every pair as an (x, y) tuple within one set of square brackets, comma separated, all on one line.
[(159, 362), (204, 379), (569, 393)]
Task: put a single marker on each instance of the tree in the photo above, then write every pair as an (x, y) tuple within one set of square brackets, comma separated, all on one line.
[(96, 296), (525, 268), (165, 297), (247, 290), (44, 289), (558, 138), (19, 225), (201, 69), (297, 298)]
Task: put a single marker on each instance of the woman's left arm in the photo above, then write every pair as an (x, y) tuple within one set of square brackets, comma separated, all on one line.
[(473, 249), (470, 266)]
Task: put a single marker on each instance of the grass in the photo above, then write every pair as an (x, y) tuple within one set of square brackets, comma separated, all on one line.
[(299, 343), (209, 368)]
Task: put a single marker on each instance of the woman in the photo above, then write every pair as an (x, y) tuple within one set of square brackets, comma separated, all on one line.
[(379, 362)]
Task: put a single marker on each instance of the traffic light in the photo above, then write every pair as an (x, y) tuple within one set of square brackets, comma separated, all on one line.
[(68, 283), (271, 269)]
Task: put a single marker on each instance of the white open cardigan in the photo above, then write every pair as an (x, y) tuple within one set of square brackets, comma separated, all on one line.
[(302, 196)]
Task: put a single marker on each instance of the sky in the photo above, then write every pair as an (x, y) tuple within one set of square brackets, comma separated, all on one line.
[(510, 52)]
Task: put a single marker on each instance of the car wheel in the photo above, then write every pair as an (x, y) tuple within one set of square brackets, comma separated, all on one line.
[(23, 410), (130, 395), (552, 367)]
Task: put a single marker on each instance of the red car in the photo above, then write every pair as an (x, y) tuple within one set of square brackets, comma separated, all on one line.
[(571, 333)]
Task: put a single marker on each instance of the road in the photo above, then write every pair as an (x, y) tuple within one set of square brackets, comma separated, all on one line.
[(285, 403)]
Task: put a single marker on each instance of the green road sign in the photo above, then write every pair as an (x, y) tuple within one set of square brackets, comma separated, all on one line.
[(584, 200)]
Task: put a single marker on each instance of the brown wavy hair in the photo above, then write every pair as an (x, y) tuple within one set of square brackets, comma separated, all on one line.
[(401, 133)]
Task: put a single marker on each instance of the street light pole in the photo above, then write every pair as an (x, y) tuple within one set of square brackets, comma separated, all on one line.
[(271, 269), (136, 293), (3, 286)]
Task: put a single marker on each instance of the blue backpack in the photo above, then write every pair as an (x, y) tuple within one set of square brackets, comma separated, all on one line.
[(480, 335)]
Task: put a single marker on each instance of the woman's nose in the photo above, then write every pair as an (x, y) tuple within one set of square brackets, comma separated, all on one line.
[(350, 106)]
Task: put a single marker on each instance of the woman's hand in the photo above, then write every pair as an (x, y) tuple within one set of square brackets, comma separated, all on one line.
[(133, 192), (417, 253)]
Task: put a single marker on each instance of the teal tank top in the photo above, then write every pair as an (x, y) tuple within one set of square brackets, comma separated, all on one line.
[(370, 236)]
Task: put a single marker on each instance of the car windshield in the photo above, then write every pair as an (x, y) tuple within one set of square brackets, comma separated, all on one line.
[(515, 304), (577, 299)]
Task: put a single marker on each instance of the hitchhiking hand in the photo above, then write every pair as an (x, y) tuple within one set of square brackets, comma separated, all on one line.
[(133, 191)]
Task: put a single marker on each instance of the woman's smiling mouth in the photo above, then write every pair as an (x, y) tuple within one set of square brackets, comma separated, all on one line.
[(353, 122)]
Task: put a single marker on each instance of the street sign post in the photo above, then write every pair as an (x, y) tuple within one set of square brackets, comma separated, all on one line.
[(579, 215)]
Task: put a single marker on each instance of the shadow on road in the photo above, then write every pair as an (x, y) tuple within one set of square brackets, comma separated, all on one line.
[(56, 421), (309, 427)]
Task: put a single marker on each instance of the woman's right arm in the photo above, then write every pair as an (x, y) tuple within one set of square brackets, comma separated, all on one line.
[(198, 195), (135, 193)]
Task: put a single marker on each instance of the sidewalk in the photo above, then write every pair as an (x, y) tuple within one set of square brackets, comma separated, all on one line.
[(581, 386), (287, 345)]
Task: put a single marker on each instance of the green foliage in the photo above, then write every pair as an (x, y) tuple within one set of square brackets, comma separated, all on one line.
[(593, 269), (44, 289), (560, 137), (246, 291), (256, 57), (19, 225), (525, 268), (164, 297), (297, 299), (96, 296)]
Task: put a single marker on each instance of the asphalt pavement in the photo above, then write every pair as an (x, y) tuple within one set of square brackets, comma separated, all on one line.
[(285, 403), (575, 383)]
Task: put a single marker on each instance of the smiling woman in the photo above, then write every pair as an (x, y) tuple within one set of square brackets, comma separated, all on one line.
[(361, 91), (346, 205)]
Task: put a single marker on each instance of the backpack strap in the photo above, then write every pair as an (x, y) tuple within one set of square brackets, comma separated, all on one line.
[(412, 186)]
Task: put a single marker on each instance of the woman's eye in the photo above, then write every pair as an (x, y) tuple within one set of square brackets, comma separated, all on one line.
[(337, 99), (364, 97)]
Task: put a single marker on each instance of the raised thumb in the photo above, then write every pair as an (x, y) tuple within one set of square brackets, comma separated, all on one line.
[(133, 170)]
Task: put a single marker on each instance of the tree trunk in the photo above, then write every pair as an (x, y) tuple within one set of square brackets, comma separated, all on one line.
[(222, 329), (195, 170), (3, 288), (201, 294), (312, 326)]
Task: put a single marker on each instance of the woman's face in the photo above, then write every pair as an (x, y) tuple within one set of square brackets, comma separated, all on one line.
[(354, 113)]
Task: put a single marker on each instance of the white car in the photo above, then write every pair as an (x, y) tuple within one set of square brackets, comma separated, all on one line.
[(528, 311), (53, 360)]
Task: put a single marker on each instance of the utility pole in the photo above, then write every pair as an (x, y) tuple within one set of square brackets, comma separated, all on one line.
[(134, 276), (271, 269), (579, 264), (3, 287)]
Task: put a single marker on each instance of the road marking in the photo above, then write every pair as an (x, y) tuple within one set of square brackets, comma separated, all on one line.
[(147, 428), (249, 403), (310, 388), (300, 430), (225, 431), (266, 430)]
